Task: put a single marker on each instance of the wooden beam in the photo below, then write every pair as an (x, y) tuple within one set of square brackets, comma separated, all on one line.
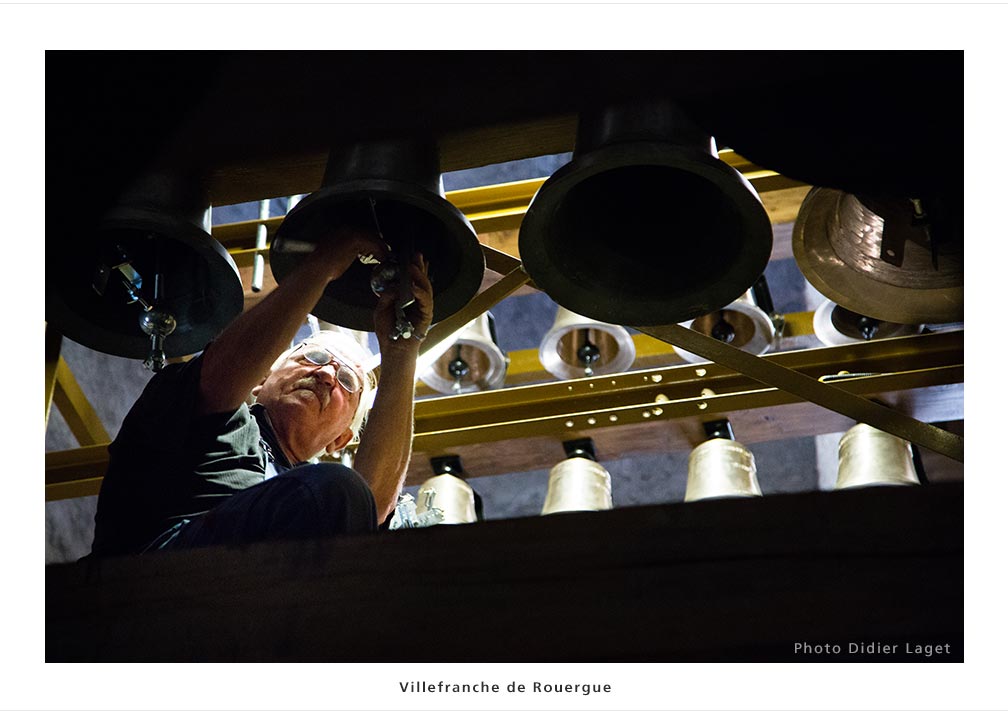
[(710, 581)]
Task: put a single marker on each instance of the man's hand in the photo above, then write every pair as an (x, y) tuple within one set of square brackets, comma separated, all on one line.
[(419, 313), (335, 252)]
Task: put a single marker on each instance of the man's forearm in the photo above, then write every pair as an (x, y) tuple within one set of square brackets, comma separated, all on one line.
[(241, 356), (384, 451)]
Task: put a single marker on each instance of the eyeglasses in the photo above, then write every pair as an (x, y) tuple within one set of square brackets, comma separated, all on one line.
[(348, 379)]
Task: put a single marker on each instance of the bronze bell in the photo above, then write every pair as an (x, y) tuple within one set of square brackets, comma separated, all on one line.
[(835, 326), (869, 457), (721, 467), (742, 324), (645, 225), (150, 282), (448, 491), (878, 258), (578, 483), (392, 187), (473, 362), (576, 346)]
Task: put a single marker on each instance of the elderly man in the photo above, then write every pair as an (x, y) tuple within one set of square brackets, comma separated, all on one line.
[(193, 464)]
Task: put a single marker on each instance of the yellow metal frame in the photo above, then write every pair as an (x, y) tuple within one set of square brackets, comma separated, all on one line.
[(62, 389), (560, 408)]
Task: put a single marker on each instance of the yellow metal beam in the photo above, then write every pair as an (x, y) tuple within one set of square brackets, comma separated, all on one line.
[(53, 342), (648, 408), (678, 382), (75, 473), (813, 390), (483, 301)]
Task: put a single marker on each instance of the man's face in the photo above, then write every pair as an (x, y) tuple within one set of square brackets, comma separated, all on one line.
[(305, 399)]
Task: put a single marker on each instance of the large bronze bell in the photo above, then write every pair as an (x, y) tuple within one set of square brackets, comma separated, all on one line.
[(149, 282), (879, 257), (393, 187), (645, 225)]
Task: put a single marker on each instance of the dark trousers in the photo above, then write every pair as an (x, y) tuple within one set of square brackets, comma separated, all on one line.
[(306, 502)]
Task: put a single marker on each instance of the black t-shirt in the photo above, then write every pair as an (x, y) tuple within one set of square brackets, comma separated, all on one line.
[(168, 464)]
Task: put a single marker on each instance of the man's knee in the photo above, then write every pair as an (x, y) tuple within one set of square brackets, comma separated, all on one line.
[(334, 484)]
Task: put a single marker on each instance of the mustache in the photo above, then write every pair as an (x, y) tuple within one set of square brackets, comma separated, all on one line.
[(317, 386)]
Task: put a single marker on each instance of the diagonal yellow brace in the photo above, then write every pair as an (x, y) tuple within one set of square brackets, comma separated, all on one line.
[(483, 301), (810, 389), (80, 416), (53, 344)]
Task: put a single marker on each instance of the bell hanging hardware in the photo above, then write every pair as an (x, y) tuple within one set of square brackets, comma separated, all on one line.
[(458, 368), (130, 278), (157, 323), (920, 218), (588, 353), (393, 274), (722, 330)]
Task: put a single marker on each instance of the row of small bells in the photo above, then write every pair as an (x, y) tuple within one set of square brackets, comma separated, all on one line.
[(720, 467), (576, 346)]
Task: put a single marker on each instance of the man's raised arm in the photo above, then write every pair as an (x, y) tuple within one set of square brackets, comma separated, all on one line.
[(240, 358), (386, 444)]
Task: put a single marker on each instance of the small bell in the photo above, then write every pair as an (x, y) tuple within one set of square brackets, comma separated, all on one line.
[(869, 456), (473, 363), (448, 492), (835, 326), (578, 483), (576, 346), (742, 324), (721, 467)]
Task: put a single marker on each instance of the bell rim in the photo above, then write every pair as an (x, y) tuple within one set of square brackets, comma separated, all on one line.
[(228, 294), (446, 303), (553, 191), (823, 268)]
